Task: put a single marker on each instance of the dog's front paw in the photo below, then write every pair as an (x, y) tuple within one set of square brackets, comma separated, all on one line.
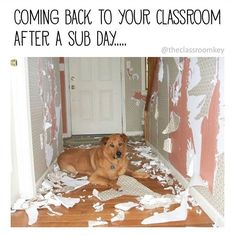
[(115, 186)]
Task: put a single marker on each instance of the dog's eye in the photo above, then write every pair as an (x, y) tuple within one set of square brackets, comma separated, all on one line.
[(120, 144), (112, 145)]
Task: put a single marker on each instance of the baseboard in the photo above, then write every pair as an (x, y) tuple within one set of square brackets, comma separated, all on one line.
[(215, 216), (129, 133), (66, 135), (134, 133)]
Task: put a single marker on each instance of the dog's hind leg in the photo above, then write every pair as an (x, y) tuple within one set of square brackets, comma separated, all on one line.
[(70, 170), (137, 174)]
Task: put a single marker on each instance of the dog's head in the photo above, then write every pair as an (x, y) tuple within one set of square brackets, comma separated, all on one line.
[(115, 145)]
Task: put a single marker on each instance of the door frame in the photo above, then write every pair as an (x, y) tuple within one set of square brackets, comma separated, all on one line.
[(21, 148), (68, 97)]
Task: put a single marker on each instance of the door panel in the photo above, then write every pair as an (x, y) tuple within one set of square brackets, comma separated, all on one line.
[(85, 105), (105, 102), (95, 86)]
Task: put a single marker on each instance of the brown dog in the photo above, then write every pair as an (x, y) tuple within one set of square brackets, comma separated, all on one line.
[(104, 164)]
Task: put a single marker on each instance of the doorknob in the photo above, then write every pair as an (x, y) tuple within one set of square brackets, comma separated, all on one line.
[(72, 86)]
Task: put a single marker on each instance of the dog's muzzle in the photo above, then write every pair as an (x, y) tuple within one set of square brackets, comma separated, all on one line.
[(118, 155)]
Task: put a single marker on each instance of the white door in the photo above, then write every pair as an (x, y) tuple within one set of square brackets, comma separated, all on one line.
[(95, 86)]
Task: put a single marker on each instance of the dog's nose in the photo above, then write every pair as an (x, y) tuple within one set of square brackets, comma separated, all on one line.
[(118, 153)]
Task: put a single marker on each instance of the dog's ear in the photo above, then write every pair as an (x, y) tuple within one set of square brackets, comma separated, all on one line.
[(104, 140), (124, 137)]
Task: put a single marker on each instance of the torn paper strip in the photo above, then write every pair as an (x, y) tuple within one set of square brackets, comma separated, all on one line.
[(119, 217), (67, 201), (19, 204), (92, 223), (98, 207), (48, 154), (143, 149), (76, 183), (32, 213), (161, 71), (125, 206), (170, 188), (96, 194), (179, 214), (51, 200), (47, 185), (196, 180), (58, 120), (156, 115), (41, 141), (173, 123), (167, 145), (151, 202), (47, 125), (56, 176), (190, 158)]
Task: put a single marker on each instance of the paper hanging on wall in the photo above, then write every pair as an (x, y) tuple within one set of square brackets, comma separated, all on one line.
[(173, 123), (161, 71), (156, 115), (48, 154), (190, 156), (205, 86), (129, 69), (58, 120), (41, 141), (47, 125), (196, 180), (138, 97), (167, 145)]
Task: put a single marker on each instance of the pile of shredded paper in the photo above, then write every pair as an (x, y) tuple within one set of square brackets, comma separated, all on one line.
[(56, 183)]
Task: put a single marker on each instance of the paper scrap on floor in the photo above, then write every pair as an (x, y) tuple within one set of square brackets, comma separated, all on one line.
[(32, 213), (151, 202), (92, 223), (76, 183), (119, 217), (125, 206), (55, 182), (179, 214), (98, 207), (68, 202), (31, 206)]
